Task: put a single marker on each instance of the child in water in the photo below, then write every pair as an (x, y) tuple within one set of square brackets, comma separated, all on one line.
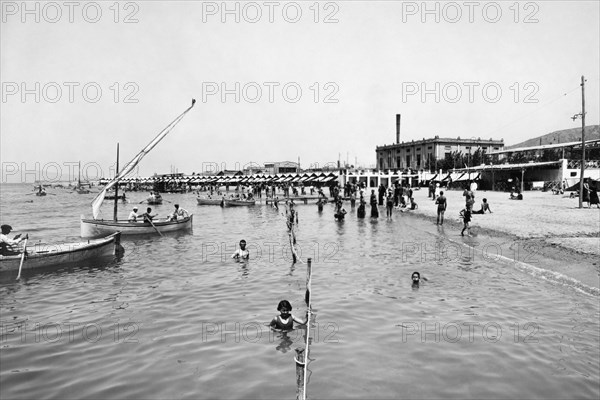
[(285, 320), (465, 214)]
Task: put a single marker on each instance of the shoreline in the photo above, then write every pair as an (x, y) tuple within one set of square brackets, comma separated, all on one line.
[(565, 238)]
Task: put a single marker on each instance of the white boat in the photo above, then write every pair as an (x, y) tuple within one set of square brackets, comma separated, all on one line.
[(100, 227), (40, 256)]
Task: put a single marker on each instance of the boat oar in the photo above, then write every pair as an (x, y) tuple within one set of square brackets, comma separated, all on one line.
[(22, 259), (155, 228)]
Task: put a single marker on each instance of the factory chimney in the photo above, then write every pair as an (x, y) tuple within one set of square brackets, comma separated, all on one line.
[(397, 128)]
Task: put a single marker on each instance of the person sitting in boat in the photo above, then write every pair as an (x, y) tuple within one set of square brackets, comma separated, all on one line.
[(10, 247), (285, 320), (241, 253), (147, 216), (178, 214), (133, 215)]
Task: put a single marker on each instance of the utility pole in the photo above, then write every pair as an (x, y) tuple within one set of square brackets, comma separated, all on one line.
[(582, 141)]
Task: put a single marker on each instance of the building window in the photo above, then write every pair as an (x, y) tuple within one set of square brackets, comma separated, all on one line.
[(429, 147), (418, 161), (407, 161)]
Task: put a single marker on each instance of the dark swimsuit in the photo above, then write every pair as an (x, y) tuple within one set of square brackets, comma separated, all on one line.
[(287, 326)]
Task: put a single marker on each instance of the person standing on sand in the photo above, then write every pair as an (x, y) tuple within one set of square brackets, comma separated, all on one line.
[(594, 198), (441, 204)]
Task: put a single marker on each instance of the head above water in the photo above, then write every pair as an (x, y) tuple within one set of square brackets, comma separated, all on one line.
[(416, 277), (284, 305), (6, 229)]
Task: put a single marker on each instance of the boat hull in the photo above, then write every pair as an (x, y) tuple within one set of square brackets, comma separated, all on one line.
[(99, 227), (209, 202), (42, 256), (239, 203)]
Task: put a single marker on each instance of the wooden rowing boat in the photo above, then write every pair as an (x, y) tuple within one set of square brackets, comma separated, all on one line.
[(209, 202), (101, 227), (238, 202), (41, 256)]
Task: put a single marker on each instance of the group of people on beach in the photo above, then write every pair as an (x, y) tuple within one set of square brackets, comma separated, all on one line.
[(465, 213)]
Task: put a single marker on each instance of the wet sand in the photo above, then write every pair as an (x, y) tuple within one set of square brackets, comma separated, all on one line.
[(568, 238)]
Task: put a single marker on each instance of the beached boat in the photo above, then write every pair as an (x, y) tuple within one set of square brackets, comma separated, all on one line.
[(238, 202), (40, 256), (202, 201), (100, 227), (97, 227)]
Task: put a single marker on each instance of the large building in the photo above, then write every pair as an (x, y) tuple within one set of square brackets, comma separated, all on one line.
[(423, 154), (282, 167)]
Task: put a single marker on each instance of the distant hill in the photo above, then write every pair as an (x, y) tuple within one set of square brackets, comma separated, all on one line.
[(564, 136)]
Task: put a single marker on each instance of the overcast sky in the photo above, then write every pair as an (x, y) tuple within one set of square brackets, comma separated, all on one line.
[(319, 81)]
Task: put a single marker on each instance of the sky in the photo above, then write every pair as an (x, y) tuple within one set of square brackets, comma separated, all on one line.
[(281, 81)]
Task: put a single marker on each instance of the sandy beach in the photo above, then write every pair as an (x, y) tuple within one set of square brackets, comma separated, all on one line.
[(554, 223)]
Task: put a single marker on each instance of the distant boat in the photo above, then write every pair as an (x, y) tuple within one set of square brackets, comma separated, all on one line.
[(112, 197), (80, 189), (53, 255), (154, 199), (97, 227), (203, 201), (238, 202)]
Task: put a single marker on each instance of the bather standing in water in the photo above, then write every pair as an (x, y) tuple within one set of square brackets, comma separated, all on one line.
[(374, 209)]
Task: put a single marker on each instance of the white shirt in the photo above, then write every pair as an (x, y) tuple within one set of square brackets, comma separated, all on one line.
[(132, 216)]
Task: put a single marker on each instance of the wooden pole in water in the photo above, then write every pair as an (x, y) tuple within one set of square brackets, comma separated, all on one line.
[(299, 373), (308, 281), (582, 141), (116, 186)]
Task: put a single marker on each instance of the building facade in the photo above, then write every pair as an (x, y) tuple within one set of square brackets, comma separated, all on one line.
[(423, 154), (282, 167)]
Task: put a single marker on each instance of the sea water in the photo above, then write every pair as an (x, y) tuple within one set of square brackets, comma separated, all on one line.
[(176, 317)]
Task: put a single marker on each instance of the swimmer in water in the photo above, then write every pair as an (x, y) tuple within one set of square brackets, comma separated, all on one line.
[(416, 278), (285, 320), (241, 253)]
